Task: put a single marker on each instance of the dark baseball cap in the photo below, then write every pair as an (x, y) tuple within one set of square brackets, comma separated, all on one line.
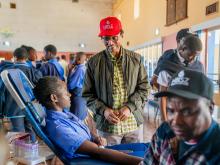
[(189, 84)]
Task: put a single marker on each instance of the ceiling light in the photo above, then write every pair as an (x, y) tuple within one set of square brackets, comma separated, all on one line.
[(82, 45), (6, 43), (157, 31)]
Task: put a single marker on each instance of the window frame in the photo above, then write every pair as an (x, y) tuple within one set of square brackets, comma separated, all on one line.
[(175, 12)]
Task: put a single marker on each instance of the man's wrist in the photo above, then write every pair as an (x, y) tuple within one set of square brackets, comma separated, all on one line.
[(102, 110), (126, 107), (130, 106)]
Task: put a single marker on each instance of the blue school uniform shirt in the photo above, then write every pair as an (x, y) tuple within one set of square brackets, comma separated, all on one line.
[(52, 68), (67, 132), (76, 77)]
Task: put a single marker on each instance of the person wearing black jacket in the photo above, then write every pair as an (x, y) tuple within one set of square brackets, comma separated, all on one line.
[(183, 57), (171, 55)]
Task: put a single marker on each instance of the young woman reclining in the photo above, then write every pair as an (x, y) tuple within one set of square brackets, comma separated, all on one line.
[(67, 131)]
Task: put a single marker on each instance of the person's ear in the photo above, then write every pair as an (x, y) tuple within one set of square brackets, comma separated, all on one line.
[(211, 107), (53, 98), (122, 35), (49, 54)]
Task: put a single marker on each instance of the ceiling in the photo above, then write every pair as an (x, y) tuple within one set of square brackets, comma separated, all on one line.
[(59, 22)]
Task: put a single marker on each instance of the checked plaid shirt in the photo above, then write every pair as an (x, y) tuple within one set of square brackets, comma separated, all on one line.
[(119, 98), (163, 149)]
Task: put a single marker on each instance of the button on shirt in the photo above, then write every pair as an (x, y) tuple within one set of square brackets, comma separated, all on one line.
[(66, 131)]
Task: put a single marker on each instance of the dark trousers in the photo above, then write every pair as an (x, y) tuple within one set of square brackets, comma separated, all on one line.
[(78, 107)]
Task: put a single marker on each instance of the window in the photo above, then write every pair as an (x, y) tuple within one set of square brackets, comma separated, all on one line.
[(213, 60), (136, 8), (13, 5), (210, 55), (150, 55), (176, 11)]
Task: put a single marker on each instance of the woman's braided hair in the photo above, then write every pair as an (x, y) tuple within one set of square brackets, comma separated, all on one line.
[(44, 88)]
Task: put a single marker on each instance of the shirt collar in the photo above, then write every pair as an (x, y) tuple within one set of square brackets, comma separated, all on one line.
[(23, 63), (180, 58), (113, 58), (53, 60), (80, 65), (203, 143), (58, 114), (206, 134)]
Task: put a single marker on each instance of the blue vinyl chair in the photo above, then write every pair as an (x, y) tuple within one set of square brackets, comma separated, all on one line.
[(21, 89), (6, 100)]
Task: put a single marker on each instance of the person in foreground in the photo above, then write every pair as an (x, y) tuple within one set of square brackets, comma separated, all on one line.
[(75, 84), (190, 135), (67, 131), (116, 87)]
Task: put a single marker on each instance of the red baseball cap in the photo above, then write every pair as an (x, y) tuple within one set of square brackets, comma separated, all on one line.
[(110, 26)]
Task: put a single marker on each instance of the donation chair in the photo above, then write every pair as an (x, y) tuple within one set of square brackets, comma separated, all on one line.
[(21, 89)]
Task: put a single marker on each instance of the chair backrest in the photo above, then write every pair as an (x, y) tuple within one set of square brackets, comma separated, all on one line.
[(3, 65), (21, 90), (6, 65)]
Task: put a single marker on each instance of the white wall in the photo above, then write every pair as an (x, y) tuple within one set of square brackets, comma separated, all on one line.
[(59, 22)]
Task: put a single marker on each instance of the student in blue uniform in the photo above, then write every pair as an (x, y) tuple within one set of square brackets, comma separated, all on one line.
[(52, 67), (75, 84), (8, 106), (21, 56), (32, 56), (67, 131)]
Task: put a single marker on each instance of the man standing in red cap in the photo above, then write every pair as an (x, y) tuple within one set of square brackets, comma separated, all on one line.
[(116, 87)]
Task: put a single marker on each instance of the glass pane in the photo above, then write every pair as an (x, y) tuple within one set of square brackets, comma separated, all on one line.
[(150, 56), (213, 60)]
